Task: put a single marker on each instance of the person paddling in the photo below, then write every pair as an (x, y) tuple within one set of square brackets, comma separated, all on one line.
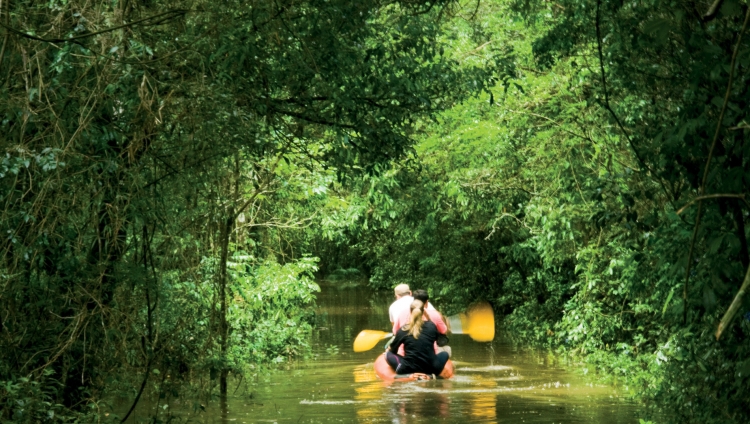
[(401, 305), (430, 313), (403, 300), (418, 338)]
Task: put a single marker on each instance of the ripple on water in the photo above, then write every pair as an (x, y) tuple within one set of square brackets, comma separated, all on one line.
[(472, 379), (462, 379), (455, 390), (488, 368), (328, 402), (510, 378)]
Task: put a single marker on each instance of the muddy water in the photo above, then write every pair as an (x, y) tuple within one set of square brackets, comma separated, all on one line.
[(494, 382)]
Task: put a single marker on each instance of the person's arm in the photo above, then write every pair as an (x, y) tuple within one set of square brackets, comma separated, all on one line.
[(398, 340), (437, 319), (400, 321)]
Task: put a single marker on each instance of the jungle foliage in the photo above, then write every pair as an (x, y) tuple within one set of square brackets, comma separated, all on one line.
[(173, 175), (597, 197), (156, 158)]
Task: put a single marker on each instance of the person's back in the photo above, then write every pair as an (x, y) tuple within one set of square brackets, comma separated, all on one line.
[(418, 338), (403, 300), (419, 353), (431, 314)]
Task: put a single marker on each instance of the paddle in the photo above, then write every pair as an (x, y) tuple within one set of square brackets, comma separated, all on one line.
[(367, 339), (478, 322)]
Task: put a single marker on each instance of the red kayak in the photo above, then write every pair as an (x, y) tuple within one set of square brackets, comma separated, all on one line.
[(386, 373)]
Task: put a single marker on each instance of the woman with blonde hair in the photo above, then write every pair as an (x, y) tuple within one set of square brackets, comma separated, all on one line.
[(418, 337)]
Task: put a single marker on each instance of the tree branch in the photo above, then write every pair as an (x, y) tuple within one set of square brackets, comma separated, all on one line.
[(713, 10), (734, 307), (160, 18), (604, 86), (713, 196), (311, 119)]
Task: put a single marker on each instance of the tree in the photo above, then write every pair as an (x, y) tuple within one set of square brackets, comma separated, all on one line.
[(129, 132)]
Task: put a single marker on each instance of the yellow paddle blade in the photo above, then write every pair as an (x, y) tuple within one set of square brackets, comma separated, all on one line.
[(480, 322), (367, 339)]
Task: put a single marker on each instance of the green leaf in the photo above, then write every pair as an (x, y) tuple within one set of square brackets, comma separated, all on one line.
[(669, 298), (658, 28)]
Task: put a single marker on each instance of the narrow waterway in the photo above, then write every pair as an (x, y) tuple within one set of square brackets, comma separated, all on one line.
[(494, 382)]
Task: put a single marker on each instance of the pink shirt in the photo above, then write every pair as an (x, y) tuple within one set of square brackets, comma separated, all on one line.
[(401, 304), (435, 317)]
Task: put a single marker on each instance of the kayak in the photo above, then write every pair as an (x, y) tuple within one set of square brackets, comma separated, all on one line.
[(386, 373)]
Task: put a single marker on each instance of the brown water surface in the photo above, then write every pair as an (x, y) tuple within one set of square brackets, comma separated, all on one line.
[(494, 383)]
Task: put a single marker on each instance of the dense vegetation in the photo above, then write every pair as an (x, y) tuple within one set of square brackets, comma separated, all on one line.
[(153, 155), (174, 175), (597, 197)]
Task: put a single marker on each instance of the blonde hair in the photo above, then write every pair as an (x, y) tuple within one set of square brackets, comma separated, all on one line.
[(416, 321)]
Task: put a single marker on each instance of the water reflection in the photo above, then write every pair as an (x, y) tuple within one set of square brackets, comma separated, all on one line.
[(410, 406), (224, 410), (369, 395), (483, 403), (494, 382)]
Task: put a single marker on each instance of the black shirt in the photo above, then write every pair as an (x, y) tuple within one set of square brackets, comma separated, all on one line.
[(419, 354)]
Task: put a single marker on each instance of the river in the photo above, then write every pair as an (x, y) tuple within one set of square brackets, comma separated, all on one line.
[(494, 383)]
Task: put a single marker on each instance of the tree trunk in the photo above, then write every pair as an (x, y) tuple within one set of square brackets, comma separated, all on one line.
[(739, 219), (225, 235), (226, 229)]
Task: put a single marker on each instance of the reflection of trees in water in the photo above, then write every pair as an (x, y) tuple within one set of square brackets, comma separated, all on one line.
[(224, 410), (344, 310)]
